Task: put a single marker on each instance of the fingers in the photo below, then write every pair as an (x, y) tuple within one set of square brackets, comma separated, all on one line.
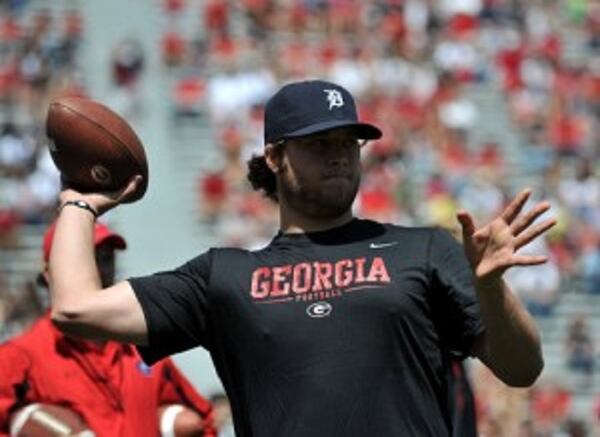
[(514, 208), (528, 260), (467, 223), (533, 233), (523, 222)]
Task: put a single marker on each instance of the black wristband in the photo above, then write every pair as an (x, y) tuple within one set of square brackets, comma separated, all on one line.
[(80, 204)]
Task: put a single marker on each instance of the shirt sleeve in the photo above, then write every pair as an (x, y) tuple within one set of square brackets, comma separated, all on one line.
[(456, 308), (14, 387), (175, 306), (176, 389)]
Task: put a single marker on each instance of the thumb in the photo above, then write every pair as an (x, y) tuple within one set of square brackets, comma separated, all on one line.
[(468, 224), (131, 188)]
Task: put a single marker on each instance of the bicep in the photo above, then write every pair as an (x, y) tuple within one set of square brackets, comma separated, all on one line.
[(113, 313)]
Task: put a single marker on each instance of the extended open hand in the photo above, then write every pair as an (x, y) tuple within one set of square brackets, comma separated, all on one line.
[(491, 249)]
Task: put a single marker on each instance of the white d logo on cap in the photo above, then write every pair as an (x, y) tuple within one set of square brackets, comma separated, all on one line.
[(334, 97)]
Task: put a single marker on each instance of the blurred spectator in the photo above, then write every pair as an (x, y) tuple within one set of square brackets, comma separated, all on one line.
[(539, 286), (480, 195), (173, 48), (581, 194), (127, 63), (580, 349), (550, 406), (174, 6), (127, 67), (17, 151), (501, 411), (216, 15), (590, 266), (189, 95), (213, 195)]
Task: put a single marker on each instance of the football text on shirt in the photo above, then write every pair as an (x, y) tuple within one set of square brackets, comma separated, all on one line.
[(302, 279)]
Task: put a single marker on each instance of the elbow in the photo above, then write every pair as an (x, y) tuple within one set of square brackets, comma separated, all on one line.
[(65, 320), (71, 321), (526, 376)]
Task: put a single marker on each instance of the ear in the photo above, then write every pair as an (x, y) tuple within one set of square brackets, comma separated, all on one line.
[(45, 274), (273, 157)]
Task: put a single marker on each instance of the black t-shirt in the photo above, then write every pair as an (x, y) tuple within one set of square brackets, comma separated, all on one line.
[(345, 332)]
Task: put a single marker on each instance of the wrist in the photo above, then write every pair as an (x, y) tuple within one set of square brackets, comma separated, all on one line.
[(81, 204), (489, 284)]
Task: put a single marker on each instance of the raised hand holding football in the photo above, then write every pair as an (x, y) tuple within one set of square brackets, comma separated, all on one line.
[(94, 148)]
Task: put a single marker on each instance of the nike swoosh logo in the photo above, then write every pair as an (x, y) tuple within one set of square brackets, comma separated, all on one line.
[(382, 245)]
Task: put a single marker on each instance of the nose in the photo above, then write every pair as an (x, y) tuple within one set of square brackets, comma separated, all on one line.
[(337, 155), (338, 161)]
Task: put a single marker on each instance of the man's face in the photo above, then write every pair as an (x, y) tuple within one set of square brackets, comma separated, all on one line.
[(320, 174), (105, 259)]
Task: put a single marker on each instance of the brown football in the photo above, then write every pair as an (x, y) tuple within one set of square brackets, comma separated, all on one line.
[(45, 420), (94, 148)]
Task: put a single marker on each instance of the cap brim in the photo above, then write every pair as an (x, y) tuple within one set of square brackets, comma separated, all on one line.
[(115, 240), (364, 131)]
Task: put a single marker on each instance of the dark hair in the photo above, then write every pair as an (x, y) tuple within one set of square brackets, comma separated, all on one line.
[(261, 177)]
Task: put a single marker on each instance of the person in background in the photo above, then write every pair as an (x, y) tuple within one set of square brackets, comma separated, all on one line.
[(105, 382)]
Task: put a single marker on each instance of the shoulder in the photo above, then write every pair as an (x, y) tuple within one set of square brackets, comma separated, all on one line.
[(15, 354), (232, 256), (41, 332), (444, 238), (39, 343), (407, 233)]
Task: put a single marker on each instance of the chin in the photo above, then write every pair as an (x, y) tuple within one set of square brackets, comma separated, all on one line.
[(331, 198), (333, 204)]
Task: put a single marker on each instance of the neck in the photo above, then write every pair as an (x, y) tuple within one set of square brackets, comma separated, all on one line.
[(293, 222)]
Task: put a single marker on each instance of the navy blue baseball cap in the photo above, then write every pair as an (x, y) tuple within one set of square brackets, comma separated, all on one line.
[(308, 107)]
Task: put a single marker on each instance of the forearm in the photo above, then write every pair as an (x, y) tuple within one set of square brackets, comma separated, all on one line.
[(512, 347), (72, 266)]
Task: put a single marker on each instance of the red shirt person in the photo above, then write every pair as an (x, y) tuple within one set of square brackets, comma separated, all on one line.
[(106, 383)]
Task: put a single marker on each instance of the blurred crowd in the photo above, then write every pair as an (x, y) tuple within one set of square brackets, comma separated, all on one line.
[(417, 68), (38, 62)]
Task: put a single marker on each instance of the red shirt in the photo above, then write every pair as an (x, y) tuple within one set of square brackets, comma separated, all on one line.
[(108, 385)]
